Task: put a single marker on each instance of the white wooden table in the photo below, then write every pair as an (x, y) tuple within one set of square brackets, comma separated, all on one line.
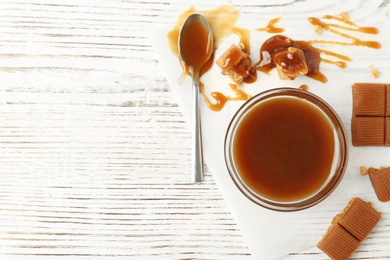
[(94, 151)]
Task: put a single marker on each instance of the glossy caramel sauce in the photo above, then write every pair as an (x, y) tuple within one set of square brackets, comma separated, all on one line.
[(304, 87), (280, 43), (244, 37), (313, 58), (221, 99), (195, 44), (223, 20), (271, 28), (284, 148)]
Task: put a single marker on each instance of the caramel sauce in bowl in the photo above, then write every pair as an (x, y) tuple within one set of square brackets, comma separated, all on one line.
[(286, 149)]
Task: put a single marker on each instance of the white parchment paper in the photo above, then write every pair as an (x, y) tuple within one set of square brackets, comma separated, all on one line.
[(271, 234)]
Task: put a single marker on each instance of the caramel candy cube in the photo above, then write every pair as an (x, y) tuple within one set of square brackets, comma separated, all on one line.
[(290, 63), (368, 131), (338, 243), (380, 181), (235, 63), (369, 99), (359, 218)]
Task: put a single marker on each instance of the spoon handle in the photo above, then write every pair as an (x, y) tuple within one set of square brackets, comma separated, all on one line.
[(197, 153)]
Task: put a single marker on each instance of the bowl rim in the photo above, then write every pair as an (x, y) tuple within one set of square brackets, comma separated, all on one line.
[(325, 190)]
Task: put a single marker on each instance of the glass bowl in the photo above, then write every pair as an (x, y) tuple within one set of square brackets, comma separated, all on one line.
[(336, 164)]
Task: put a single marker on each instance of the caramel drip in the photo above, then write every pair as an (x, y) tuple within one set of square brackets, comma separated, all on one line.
[(221, 99), (317, 75), (251, 76), (270, 28), (334, 54), (369, 30), (244, 35), (240, 94), (352, 27), (304, 87), (340, 64)]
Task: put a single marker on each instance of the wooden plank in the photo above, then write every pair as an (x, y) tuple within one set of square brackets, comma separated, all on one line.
[(94, 152)]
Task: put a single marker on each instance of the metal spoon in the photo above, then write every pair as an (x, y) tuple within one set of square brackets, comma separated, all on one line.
[(195, 48)]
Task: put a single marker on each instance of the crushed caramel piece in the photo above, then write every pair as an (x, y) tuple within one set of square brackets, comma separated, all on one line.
[(291, 63), (374, 72), (363, 170), (344, 16)]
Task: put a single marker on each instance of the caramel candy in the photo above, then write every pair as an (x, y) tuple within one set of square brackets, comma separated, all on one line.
[(368, 131), (349, 229), (235, 63), (359, 218), (290, 63), (369, 99), (338, 243), (371, 114), (380, 181)]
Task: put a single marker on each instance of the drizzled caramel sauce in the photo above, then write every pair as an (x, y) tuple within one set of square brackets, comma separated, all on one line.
[(304, 87), (222, 22), (244, 36), (279, 43), (351, 27), (271, 28), (221, 99)]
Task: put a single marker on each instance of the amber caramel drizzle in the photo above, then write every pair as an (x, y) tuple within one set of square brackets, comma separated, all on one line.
[(304, 87), (351, 27), (270, 28), (341, 64), (222, 21), (221, 99), (244, 36)]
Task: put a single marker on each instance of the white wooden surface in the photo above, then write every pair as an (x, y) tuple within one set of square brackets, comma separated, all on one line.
[(94, 151)]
